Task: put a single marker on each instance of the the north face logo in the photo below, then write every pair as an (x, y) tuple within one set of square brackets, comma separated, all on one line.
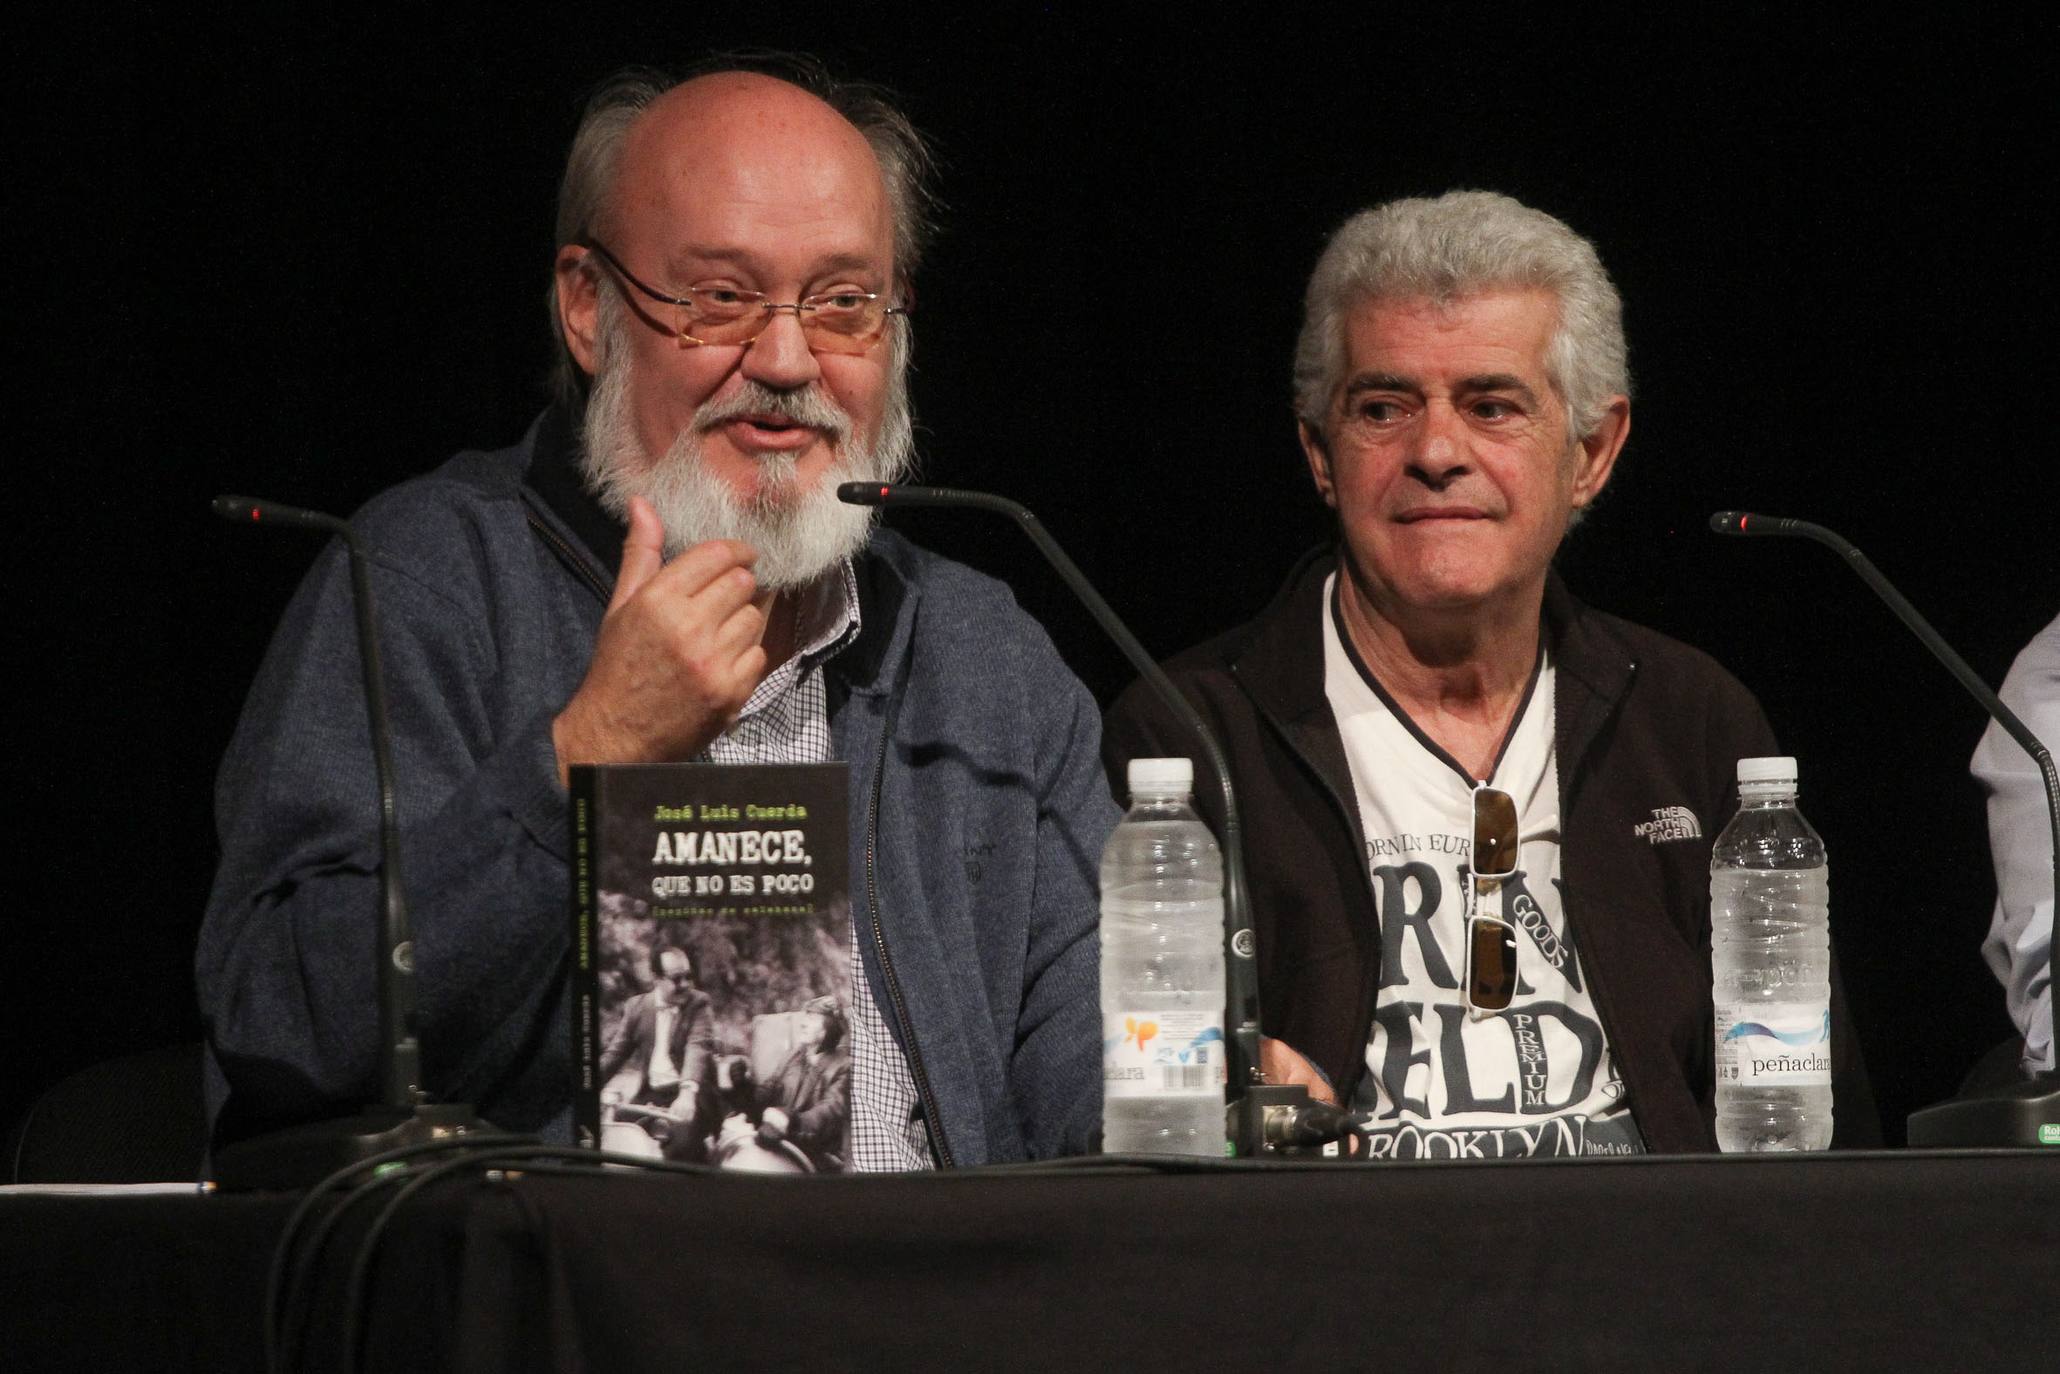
[(1669, 823)]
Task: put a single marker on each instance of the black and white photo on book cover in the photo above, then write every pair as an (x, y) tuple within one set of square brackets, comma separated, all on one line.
[(712, 910)]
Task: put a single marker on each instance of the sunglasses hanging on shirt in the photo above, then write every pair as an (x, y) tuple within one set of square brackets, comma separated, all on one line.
[(1490, 980)]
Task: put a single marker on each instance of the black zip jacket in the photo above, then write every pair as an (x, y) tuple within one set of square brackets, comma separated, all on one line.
[(1643, 724)]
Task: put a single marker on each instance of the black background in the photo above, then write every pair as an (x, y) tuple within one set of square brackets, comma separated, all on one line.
[(305, 257)]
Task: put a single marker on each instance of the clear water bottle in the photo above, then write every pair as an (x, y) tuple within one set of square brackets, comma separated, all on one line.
[(1770, 951), (1163, 1062)]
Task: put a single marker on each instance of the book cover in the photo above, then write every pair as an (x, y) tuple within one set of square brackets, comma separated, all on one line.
[(712, 963)]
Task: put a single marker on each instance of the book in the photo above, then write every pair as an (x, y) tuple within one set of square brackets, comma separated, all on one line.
[(712, 963)]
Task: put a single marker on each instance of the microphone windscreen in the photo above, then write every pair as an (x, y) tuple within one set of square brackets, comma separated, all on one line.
[(864, 493)]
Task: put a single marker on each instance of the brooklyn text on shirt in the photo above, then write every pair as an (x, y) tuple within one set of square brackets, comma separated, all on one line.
[(1559, 1135)]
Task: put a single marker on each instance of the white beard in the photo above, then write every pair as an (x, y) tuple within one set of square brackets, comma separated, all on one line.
[(799, 535)]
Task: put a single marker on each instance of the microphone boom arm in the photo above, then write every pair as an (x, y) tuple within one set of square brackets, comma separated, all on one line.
[(1239, 964), (1745, 523), (402, 1071), (2016, 1113)]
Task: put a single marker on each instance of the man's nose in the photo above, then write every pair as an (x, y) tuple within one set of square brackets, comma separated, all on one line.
[(1440, 452), (780, 357)]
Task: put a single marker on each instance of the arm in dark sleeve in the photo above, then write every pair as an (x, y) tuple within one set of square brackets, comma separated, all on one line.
[(696, 1063), (1056, 1067), (820, 1123), (623, 1041), (285, 964)]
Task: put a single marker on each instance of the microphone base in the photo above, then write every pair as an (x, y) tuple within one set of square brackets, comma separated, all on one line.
[(296, 1158), (2025, 1113), (1274, 1121)]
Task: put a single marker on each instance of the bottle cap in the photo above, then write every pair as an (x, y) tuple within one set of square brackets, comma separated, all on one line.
[(1766, 770), (1159, 776)]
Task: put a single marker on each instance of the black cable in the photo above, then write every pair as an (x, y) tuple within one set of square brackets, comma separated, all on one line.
[(1318, 1123), (278, 1279), (276, 1276), (368, 1246), (299, 1291), (518, 1155)]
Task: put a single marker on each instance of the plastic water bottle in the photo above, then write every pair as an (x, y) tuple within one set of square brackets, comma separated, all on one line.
[(1770, 951), (1163, 1063)]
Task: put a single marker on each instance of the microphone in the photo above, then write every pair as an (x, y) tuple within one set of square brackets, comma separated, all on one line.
[(1250, 1096), (259, 512), (1741, 522), (404, 1116), (2013, 1113)]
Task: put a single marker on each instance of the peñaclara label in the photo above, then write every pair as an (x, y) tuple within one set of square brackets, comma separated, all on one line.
[(1774, 1045), (1162, 1054)]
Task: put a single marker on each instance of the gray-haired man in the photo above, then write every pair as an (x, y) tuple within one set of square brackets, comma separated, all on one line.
[(1428, 690)]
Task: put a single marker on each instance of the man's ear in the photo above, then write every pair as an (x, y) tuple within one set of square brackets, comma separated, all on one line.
[(1596, 455), (1319, 461), (579, 306)]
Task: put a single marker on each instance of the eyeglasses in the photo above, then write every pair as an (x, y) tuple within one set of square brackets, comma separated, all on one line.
[(1490, 981), (836, 322)]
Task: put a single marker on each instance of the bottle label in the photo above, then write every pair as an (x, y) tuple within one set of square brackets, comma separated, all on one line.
[(1163, 1054), (1774, 1044)]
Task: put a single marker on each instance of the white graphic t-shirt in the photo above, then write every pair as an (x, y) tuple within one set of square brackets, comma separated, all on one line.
[(1535, 1078)]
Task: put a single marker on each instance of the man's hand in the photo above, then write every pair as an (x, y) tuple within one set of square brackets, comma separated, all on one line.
[(1281, 1064), (677, 657), (772, 1125)]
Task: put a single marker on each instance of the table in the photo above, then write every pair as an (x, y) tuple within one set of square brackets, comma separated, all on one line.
[(1864, 1260)]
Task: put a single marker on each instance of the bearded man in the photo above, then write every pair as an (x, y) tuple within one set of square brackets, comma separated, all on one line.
[(659, 571)]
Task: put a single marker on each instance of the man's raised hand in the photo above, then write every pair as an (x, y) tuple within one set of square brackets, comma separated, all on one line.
[(678, 654)]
